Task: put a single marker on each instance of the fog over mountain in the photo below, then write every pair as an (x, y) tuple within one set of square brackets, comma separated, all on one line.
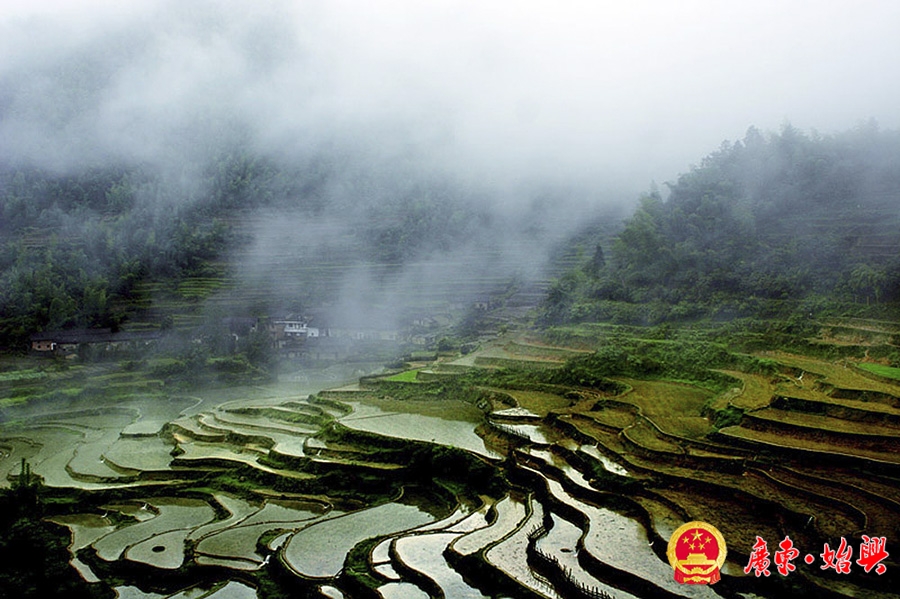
[(532, 117), (499, 91)]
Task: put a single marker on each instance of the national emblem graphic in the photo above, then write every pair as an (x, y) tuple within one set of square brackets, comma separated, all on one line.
[(696, 552)]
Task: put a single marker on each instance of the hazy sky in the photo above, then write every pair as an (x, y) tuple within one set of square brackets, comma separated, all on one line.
[(509, 92)]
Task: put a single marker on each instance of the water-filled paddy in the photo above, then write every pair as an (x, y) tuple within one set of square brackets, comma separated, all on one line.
[(234, 590), (252, 424), (165, 551), (279, 541), (510, 513), (424, 553), (306, 554), (456, 427), (608, 464), (238, 508), (472, 522), (284, 511), (631, 552), (89, 458), (237, 543), (233, 564), (231, 589), (200, 450), (387, 571), (401, 590), (144, 428), (382, 552), (535, 433), (85, 529), (129, 592), (561, 543), (140, 453), (173, 514), (460, 514), (510, 554), (557, 461), (331, 592), (58, 446)]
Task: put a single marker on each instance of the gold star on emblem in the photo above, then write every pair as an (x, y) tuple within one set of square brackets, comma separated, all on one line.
[(697, 535)]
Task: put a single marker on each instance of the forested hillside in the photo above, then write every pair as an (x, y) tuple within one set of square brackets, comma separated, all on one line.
[(767, 225), (774, 224), (81, 249)]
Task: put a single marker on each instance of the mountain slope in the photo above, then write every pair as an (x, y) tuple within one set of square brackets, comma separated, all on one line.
[(759, 225)]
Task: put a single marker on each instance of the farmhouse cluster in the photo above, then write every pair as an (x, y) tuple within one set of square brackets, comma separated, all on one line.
[(291, 335)]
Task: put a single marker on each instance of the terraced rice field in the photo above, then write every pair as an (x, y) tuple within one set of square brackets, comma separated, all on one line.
[(406, 424), (336, 493)]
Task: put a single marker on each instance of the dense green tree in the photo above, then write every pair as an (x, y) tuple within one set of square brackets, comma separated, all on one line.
[(775, 218), (34, 554)]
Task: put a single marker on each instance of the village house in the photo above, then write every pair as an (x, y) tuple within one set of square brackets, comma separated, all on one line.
[(368, 327), (423, 339), (70, 342), (289, 331), (363, 333)]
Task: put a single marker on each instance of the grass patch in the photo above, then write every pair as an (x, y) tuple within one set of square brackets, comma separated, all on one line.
[(838, 374), (881, 370), (539, 402), (317, 420), (665, 398), (198, 288), (772, 442), (613, 415), (407, 376), (646, 436), (21, 375)]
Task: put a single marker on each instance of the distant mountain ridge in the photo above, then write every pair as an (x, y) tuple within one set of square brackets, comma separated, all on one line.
[(759, 224)]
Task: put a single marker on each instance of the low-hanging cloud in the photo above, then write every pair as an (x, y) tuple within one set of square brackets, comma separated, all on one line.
[(500, 92), (537, 116)]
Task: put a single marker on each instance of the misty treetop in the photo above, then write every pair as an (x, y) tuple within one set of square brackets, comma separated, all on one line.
[(767, 219), (762, 220), (77, 246)]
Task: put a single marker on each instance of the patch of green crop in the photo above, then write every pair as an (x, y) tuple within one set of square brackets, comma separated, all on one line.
[(21, 375), (13, 401), (286, 416), (408, 376), (881, 370)]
